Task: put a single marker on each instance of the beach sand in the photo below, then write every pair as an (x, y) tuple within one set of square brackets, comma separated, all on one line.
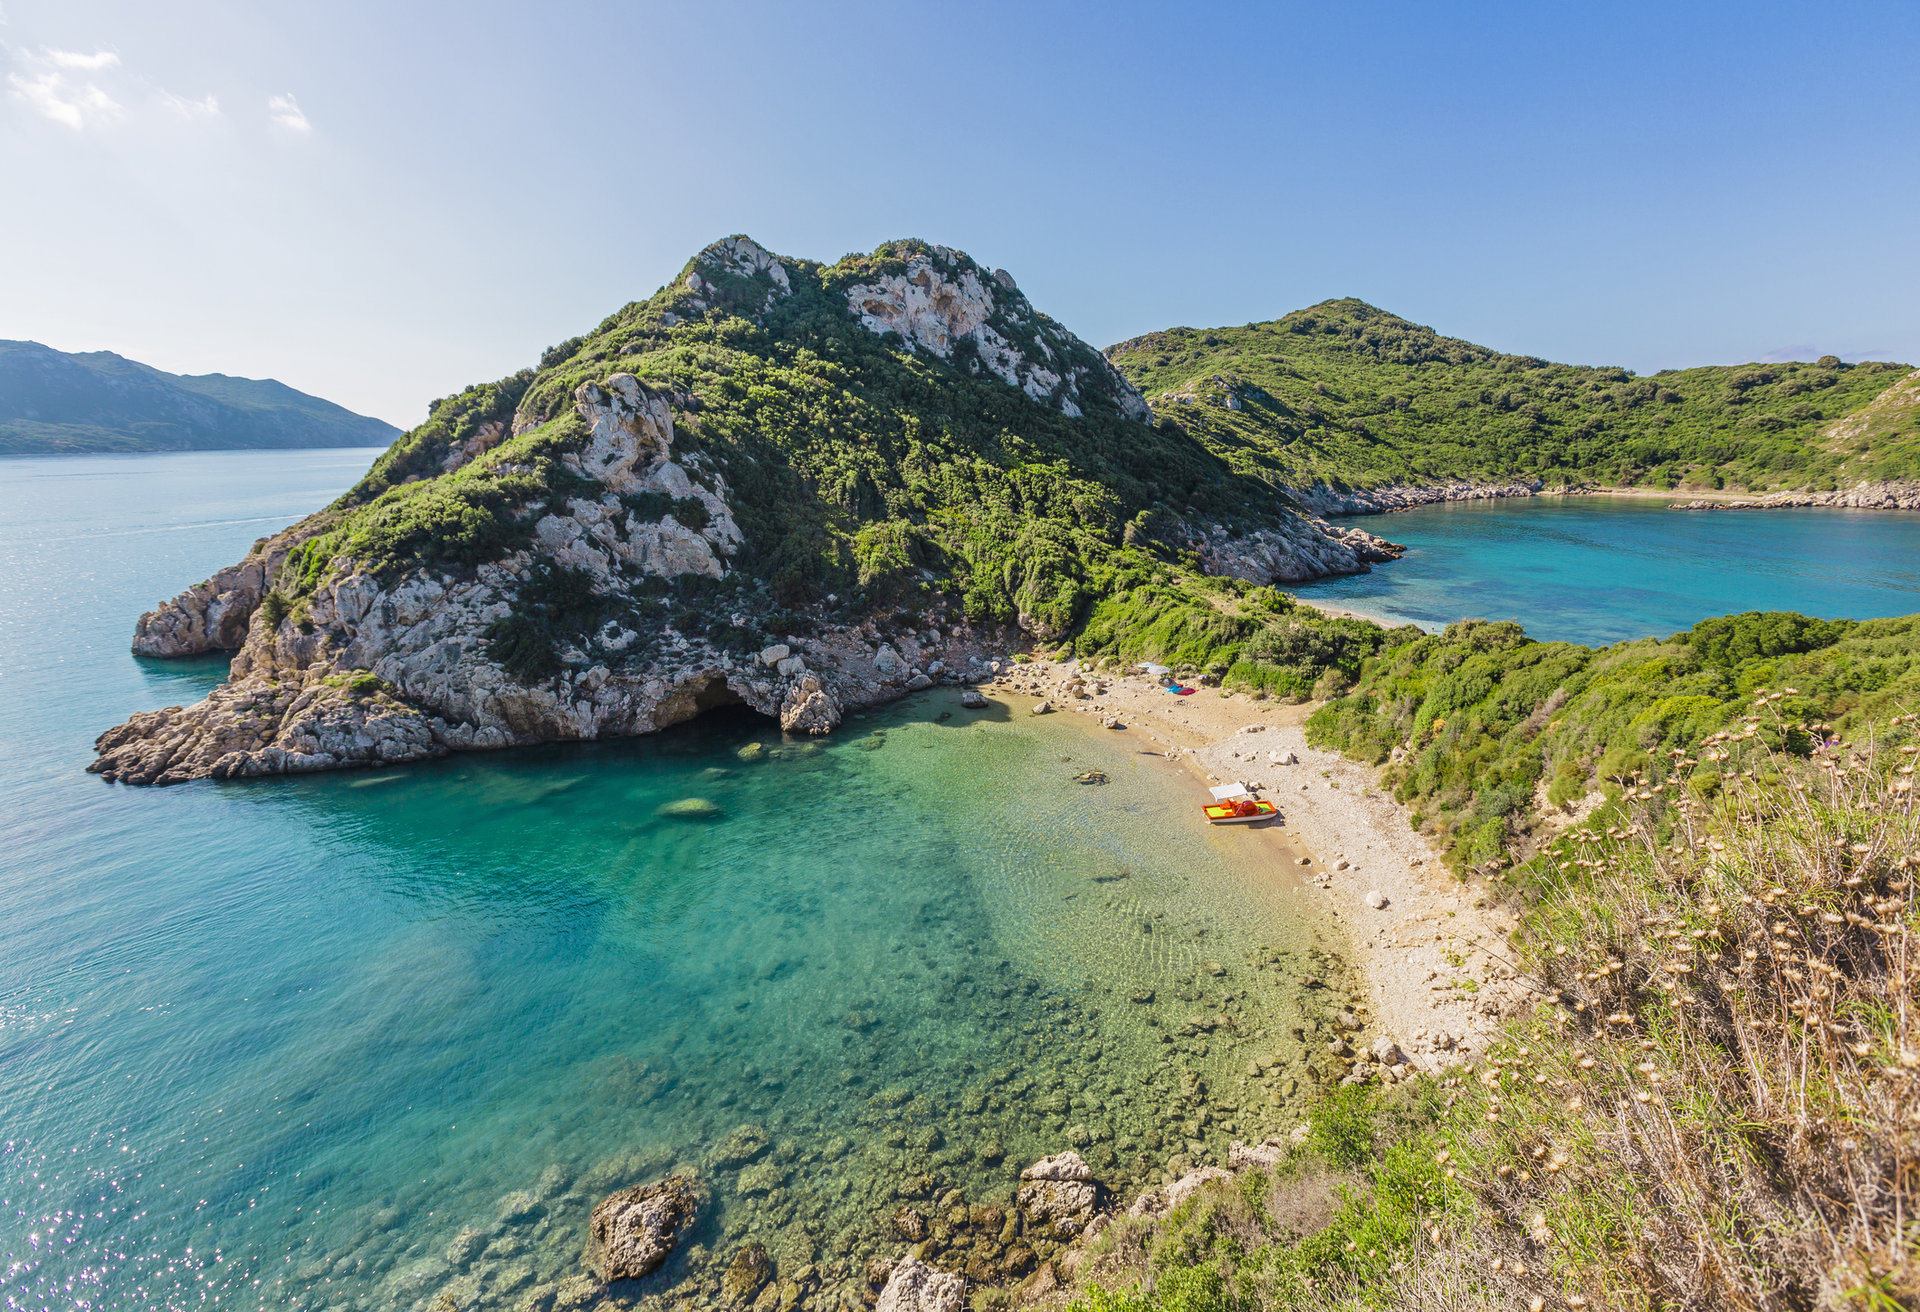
[(1434, 955)]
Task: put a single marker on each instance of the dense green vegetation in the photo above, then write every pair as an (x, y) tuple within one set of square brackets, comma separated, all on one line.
[(1349, 395), (53, 401), (858, 469), (868, 476), (1487, 735), (1710, 1106)]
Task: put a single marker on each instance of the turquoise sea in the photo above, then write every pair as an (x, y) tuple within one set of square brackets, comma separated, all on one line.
[(362, 1040), (1603, 569)]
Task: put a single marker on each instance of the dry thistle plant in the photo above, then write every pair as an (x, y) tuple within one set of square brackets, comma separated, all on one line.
[(1720, 1107)]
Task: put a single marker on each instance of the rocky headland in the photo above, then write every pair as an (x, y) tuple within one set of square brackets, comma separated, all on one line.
[(601, 548)]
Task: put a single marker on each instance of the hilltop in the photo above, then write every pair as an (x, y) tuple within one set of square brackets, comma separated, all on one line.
[(1346, 395), (56, 402)]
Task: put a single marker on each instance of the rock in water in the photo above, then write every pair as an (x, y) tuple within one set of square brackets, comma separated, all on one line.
[(1058, 1194), (916, 1287), (973, 700), (632, 1232), (748, 1271), (689, 808), (741, 1146)]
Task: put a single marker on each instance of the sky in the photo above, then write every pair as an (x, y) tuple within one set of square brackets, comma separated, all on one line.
[(384, 202)]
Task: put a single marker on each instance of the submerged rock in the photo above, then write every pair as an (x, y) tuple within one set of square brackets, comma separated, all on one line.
[(741, 1146), (632, 1232), (689, 808), (749, 1270)]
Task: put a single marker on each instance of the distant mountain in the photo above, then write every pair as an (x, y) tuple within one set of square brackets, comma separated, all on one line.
[(54, 402)]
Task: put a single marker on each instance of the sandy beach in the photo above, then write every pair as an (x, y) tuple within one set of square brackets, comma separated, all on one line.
[(1433, 952)]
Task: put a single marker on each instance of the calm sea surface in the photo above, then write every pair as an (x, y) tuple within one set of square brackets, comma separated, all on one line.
[(1600, 569), (357, 1040)]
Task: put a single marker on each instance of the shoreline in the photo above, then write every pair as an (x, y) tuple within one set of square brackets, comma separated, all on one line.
[(1341, 612), (1337, 840)]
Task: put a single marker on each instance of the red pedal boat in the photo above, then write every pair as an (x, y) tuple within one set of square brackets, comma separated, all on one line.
[(1233, 805)]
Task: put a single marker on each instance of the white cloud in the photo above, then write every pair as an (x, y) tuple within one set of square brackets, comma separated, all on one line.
[(205, 107), (77, 105), (286, 113), (99, 59)]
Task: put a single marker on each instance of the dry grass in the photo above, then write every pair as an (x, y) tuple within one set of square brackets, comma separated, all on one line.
[(1723, 1110)]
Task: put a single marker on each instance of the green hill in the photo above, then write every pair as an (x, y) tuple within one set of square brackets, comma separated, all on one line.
[(978, 451), (55, 402), (1345, 394)]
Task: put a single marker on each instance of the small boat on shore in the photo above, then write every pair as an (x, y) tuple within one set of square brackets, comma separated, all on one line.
[(1233, 805)]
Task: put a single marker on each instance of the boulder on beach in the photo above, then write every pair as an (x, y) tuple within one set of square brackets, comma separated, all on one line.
[(632, 1232)]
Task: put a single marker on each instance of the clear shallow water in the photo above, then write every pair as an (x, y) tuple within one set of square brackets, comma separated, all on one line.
[(280, 1043), (1601, 569)]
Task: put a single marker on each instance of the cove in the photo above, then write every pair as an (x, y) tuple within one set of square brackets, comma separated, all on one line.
[(360, 1040), (1598, 570)]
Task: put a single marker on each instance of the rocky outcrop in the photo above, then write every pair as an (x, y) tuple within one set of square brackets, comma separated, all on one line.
[(945, 304), (1323, 500), (1293, 552), (370, 670), (913, 1286), (214, 615), (1058, 1194), (632, 1233), (210, 616), (1861, 496)]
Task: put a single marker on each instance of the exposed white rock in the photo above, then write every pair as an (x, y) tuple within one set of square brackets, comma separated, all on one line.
[(914, 1286), (943, 299)]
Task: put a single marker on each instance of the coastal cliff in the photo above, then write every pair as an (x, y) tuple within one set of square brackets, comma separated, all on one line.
[(796, 487)]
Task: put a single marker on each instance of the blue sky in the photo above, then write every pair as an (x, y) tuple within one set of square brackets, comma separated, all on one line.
[(382, 202)]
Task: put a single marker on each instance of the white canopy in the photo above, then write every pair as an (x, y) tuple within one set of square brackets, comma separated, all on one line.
[(1228, 792), (1151, 668)]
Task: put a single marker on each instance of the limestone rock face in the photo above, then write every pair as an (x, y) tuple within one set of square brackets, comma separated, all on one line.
[(809, 708), (375, 670), (1294, 551), (943, 299), (735, 269), (631, 1233), (210, 616), (916, 1287)]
